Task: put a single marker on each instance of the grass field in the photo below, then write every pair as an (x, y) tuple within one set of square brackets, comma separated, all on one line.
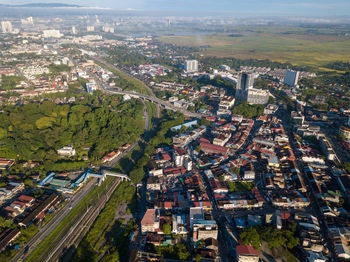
[(297, 48)]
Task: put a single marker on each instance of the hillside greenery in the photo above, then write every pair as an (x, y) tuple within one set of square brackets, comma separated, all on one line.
[(161, 137), (102, 234), (94, 125)]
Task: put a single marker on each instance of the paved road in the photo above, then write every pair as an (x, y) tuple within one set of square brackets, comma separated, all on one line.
[(227, 234), (156, 100), (146, 116), (55, 221), (314, 208), (150, 97), (100, 60), (341, 152)]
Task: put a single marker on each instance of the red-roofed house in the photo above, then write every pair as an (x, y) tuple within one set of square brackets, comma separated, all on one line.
[(18, 204), (210, 148), (166, 156), (246, 253), (168, 205), (211, 118), (150, 221), (202, 139), (111, 156), (174, 170), (217, 186), (6, 163), (285, 215), (204, 204), (11, 212)]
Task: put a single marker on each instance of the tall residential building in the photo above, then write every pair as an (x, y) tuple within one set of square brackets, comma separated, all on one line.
[(27, 21), (246, 92), (245, 81), (6, 27), (90, 28), (291, 78), (74, 30), (52, 34), (191, 66), (108, 29)]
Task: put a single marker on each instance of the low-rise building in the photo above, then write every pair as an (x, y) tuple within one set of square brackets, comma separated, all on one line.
[(340, 237), (203, 229), (257, 96), (270, 109), (345, 131), (150, 221), (66, 151), (246, 253), (111, 156)]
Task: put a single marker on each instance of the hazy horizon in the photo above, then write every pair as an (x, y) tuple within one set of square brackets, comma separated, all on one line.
[(310, 8)]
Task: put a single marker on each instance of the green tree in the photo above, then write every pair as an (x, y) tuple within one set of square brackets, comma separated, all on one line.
[(291, 240), (182, 251), (346, 166), (114, 256), (204, 122), (6, 223), (166, 228), (250, 236), (341, 137)]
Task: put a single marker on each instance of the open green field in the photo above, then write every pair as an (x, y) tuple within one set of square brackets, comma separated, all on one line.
[(298, 48)]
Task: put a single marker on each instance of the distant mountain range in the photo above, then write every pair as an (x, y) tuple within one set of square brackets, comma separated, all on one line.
[(46, 5)]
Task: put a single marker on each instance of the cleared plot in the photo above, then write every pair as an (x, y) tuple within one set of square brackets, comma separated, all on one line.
[(298, 49)]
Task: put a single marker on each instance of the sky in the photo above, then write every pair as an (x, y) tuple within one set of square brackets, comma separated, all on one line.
[(261, 7)]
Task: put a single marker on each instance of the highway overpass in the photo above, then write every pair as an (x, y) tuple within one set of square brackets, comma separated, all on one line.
[(156, 100)]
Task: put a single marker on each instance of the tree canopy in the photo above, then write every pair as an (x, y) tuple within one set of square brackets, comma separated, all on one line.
[(248, 111), (93, 125), (254, 235)]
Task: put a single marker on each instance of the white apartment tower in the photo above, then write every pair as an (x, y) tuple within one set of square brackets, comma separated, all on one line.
[(90, 28), (191, 66), (27, 21), (52, 34), (6, 27)]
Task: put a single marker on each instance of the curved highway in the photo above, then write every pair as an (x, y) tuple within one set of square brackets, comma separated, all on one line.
[(156, 100), (151, 97)]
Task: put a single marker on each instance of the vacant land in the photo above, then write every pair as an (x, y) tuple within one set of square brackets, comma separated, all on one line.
[(297, 47)]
